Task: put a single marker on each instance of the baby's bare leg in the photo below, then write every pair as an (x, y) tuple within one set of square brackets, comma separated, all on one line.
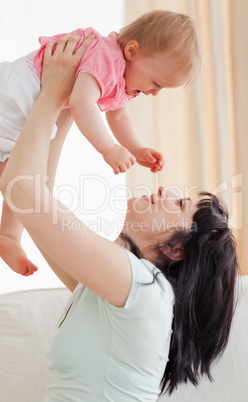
[(11, 229), (10, 235), (10, 247)]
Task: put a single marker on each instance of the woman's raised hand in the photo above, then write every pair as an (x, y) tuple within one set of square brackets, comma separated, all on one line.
[(60, 64)]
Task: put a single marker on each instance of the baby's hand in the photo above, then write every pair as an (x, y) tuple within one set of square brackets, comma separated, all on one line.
[(119, 158), (150, 158)]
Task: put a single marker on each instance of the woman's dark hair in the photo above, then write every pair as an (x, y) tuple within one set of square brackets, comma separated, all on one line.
[(204, 284)]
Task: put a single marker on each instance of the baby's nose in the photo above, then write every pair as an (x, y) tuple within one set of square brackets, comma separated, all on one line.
[(154, 92)]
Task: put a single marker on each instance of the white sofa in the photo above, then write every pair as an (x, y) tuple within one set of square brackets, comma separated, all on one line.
[(27, 317)]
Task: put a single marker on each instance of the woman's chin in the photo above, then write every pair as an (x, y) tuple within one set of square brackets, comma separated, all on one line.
[(138, 205)]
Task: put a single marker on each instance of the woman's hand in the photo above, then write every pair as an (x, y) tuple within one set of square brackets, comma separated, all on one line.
[(60, 64)]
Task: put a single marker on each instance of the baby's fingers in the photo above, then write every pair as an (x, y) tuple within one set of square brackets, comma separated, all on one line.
[(130, 162), (157, 168)]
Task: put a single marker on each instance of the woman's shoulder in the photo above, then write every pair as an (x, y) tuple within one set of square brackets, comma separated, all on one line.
[(146, 273)]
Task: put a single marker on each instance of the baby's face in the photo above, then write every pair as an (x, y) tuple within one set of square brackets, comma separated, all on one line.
[(151, 74)]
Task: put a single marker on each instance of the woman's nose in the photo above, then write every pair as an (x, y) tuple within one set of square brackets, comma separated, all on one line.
[(162, 192)]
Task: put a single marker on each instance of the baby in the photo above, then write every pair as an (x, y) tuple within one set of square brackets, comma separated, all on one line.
[(158, 50)]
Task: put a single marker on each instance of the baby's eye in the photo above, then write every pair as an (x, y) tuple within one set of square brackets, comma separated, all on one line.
[(156, 84)]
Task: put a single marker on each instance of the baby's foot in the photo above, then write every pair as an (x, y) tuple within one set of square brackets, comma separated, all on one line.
[(13, 254)]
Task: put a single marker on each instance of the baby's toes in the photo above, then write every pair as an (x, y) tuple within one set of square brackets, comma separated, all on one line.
[(25, 266)]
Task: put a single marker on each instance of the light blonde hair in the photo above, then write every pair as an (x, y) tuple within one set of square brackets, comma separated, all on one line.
[(166, 31)]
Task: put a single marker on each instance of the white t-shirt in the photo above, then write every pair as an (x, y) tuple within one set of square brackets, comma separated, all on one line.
[(100, 352)]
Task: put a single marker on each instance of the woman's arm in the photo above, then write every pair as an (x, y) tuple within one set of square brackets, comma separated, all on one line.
[(99, 264), (67, 279)]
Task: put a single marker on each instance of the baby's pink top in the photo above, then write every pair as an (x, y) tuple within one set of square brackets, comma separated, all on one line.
[(104, 60)]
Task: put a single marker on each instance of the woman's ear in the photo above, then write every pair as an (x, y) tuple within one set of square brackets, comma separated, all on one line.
[(175, 253), (131, 49)]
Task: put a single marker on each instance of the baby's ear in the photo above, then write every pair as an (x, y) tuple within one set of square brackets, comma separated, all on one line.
[(175, 253), (131, 49)]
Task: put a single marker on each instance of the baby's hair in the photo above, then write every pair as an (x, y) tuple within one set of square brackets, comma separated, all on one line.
[(166, 31)]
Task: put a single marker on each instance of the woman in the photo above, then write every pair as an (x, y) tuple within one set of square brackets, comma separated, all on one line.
[(173, 257)]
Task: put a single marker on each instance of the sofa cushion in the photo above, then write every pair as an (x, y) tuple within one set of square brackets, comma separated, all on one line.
[(26, 318)]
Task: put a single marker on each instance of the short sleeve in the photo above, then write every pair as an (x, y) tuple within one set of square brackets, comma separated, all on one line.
[(149, 290), (105, 67)]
